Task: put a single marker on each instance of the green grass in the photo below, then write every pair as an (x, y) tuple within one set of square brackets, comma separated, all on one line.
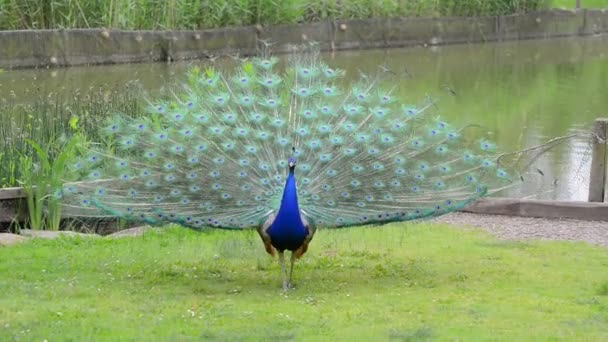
[(405, 282), (584, 3)]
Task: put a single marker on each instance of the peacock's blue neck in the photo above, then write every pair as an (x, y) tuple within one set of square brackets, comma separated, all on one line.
[(290, 210), (287, 230)]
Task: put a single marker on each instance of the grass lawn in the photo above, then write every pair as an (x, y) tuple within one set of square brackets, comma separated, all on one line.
[(402, 281), (584, 3)]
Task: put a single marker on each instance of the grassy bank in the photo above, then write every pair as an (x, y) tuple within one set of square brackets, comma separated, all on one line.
[(193, 14), (407, 282)]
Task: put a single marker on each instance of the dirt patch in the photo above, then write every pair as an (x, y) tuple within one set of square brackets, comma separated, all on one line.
[(523, 228)]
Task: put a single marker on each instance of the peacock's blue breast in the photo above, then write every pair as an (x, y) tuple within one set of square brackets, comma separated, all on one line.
[(287, 234), (288, 231)]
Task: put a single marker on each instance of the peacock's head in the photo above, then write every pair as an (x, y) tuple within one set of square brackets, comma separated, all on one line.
[(292, 163)]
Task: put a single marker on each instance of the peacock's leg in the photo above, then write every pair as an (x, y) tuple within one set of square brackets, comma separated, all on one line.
[(283, 271), (293, 261)]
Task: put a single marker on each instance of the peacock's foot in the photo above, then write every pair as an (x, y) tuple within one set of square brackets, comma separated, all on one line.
[(288, 286)]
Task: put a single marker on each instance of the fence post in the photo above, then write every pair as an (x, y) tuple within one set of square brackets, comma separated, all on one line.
[(578, 4), (597, 179)]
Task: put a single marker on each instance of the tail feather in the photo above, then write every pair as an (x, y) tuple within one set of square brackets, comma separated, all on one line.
[(216, 154)]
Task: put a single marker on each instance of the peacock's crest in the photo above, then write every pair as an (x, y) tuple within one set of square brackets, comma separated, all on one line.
[(218, 153)]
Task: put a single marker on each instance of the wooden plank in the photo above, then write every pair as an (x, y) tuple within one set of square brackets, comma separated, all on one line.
[(12, 210), (597, 178), (587, 211), (11, 193)]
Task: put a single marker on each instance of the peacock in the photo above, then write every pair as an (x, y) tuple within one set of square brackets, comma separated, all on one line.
[(285, 150)]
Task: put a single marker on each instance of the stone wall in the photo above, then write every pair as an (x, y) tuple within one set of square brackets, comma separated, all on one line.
[(42, 48)]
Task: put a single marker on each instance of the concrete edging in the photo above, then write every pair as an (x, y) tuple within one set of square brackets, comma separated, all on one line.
[(44, 48), (585, 211)]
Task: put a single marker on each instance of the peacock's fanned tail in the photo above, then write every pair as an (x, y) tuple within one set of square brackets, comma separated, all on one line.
[(217, 154)]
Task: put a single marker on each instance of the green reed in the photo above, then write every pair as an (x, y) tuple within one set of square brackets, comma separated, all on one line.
[(39, 139), (50, 120), (195, 14), (42, 180)]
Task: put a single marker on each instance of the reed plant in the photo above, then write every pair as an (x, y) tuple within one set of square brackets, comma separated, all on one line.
[(196, 14), (34, 192), (39, 139), (50, 120), (494, 7), (42, 181)]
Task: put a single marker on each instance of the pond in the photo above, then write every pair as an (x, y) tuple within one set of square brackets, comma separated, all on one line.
[(526, 92)]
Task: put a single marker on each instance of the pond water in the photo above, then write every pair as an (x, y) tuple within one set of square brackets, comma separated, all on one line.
[(526, 92)]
